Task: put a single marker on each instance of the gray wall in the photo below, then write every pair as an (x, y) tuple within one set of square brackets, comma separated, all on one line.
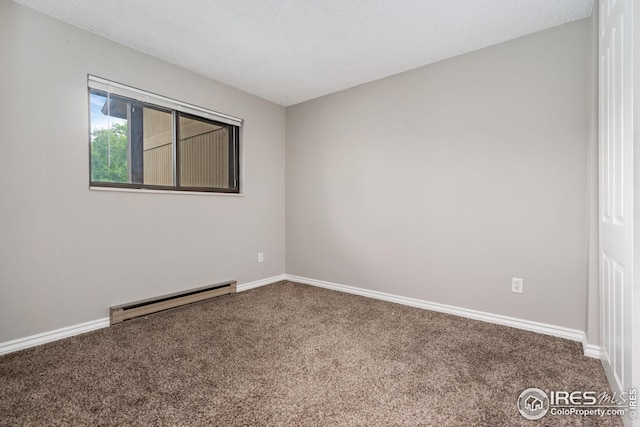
[(444, 182), (592, 320), (68, 253)]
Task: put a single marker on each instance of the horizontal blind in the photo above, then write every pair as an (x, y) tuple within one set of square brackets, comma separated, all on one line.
[(151, 98)]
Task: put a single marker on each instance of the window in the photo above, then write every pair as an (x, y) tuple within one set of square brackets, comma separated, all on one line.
[(141, 140)]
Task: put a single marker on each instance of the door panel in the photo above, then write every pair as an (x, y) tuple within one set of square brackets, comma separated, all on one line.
[(616, 195)]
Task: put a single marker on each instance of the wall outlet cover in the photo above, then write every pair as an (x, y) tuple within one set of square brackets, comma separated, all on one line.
[(517, 285)]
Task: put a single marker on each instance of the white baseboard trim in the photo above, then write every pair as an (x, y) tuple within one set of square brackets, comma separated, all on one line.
[(258, 283), (527, 325), (590, 350), (69, 331), (57, 334)]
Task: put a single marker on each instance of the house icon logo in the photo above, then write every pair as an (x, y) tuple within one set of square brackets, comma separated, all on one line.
[(533, 403)]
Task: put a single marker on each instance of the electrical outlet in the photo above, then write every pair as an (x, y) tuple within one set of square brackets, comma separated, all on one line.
[(517, 285), (260, 256)]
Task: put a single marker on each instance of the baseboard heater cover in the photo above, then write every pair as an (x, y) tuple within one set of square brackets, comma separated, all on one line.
[(120, 313)]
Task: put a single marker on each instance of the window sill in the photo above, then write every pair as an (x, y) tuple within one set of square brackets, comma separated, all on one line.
[(182, 193)]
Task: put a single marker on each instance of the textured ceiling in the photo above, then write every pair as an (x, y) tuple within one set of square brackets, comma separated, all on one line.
[(289, 51)]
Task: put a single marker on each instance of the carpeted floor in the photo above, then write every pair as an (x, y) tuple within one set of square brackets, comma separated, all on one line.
[(291, 354)]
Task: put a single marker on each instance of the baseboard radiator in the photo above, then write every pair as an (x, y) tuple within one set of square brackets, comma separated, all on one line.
[(120, 313)]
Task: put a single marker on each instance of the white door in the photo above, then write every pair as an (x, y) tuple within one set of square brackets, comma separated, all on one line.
[(616, 190)]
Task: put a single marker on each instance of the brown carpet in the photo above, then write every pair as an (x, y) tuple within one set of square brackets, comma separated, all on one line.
[(291, 354)]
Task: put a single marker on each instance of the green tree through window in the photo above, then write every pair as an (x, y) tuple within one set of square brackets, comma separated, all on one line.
[(109, 154)]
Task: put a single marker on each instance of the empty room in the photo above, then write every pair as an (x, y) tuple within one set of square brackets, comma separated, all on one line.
[(319, 213)]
